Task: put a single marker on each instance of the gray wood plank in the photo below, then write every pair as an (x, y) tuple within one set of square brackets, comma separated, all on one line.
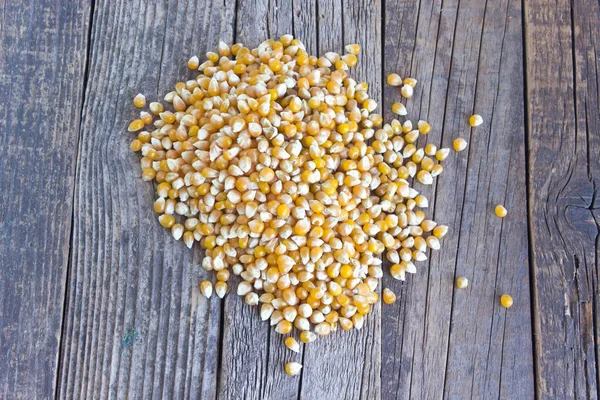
[(461, 52), (564, 143), (43, 52), (136, 325), (348, 364), (253, 354)]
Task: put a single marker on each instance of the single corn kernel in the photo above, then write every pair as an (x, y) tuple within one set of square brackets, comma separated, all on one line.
[(462, 282), (410, 82), (500, 211), (293, 368), (292, 344), (406, 91), (424, 127), (442, 154), (506, 301), (136, 145), (353, 49), (399, 108), (283, 327), (307, 337), (139, 100), (389, 297), (135, 125), (394, 80), (193, 63), (221, 289), (206, 289), (440, 231), (166, 220), (459, 144), (475, 120)]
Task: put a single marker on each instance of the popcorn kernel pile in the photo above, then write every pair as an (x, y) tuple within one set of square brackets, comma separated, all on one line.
[(263, 159)]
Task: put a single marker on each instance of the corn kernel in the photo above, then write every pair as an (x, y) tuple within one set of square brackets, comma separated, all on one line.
[(462, 282), (293, 368), (500, 211), (475, 120), (506, 301), (459, 144), (139, 100)]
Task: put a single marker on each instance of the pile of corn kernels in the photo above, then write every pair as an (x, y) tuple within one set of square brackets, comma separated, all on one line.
[(264, 160)]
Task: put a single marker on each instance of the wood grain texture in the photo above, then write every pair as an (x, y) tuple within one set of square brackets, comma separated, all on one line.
[(253, 354), (461, 51), (564, 143), (43, 48), (348, 364), (136, 325)]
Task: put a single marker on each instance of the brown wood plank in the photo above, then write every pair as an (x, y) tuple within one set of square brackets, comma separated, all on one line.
[(348, 364), (461, 52), (136, 325), (564, 143), (43, 52)]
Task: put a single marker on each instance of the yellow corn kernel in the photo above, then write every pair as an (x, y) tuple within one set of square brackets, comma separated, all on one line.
[(292, 344), (475, 120), (166, 220), (462, 282), (307, 337), (193, 63), (506, 301), (394, 80), (206, 289), (459, 144), (135, 125), (389, 297), (500, 211), (399, 108), (139, 100), (423, 127), (283, 327), (353, 49), (293, 368)]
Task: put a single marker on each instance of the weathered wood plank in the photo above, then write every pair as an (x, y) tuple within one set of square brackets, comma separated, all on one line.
[(461, 51), (348, 364), (253, 354), (136, 324), (564, 143), (43, 49)]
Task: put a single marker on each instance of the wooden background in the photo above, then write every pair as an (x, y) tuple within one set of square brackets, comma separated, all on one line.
[(96, 301)]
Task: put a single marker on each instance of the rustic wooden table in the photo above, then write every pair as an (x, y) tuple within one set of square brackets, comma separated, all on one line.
[(97, 301)]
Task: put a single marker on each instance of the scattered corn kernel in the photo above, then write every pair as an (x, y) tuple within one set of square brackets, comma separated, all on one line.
[(221, 289), (459, 144), (292, 344), (193, 63), (389, 297), (462, 282), (206, 289), (506, 301), (406, 91), (293, 368), (500, 211), (139, 100), (394, 80), (475, 120), (399, 108)]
